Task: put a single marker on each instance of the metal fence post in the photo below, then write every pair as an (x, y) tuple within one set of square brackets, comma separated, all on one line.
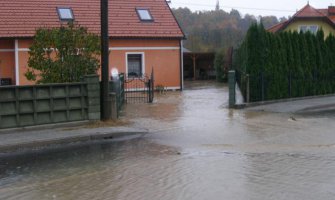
[(232, 85), (262, 86), (290, 84), (116, 95), (114, 106), (152, 85), (247, 88), (315, 81), (149, 90)]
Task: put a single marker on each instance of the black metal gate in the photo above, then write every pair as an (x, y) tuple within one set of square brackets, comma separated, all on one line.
[(139, 89)]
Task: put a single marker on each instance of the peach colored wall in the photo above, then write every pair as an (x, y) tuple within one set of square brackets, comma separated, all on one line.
[(7, 65), (7, 60), (166, 62), (25, 43), (23, 65), (23, 60)]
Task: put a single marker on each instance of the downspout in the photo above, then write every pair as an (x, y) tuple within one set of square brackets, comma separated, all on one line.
[(17, 70), (181, 65)]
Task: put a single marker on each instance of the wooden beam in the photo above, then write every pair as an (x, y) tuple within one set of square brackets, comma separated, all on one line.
[(194, 66)]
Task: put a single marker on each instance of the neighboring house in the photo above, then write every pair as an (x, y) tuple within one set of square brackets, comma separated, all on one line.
[(309, 19), (144, 35)]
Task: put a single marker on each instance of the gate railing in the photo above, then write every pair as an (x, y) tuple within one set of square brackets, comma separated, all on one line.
[(151, 90), (121, 95), (139, 89)]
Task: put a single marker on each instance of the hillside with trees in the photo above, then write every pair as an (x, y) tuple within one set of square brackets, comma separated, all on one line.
[(212, 31)]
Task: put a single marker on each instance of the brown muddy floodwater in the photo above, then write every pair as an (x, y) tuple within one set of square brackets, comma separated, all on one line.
[(197, 150)]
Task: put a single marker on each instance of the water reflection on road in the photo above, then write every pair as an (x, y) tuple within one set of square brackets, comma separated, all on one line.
[(197, 149)]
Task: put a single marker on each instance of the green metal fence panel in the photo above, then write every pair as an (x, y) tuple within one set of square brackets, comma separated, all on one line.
[(50, 103), (93, 96), (268, 86)]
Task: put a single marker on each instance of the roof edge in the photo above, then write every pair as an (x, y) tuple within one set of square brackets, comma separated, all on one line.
[(184, 36), (145, 37), (110, 37)]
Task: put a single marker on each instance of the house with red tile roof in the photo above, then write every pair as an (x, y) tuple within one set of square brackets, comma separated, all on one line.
[(144, 35), (309, 19)]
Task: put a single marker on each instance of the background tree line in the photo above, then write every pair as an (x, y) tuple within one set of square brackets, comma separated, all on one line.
[(212, 31), (286, 64)]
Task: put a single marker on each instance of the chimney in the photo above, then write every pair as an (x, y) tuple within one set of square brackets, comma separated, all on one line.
[(331, 10)]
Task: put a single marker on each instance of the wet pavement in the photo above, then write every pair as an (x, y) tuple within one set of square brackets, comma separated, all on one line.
[(306, 105), (197, 149), (22, 140)]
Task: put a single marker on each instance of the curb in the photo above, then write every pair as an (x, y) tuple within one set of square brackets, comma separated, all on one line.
[(40, 144), (260, 103), (45, 126)]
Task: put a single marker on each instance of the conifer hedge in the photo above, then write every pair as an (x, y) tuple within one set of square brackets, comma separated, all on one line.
[(286, 64)]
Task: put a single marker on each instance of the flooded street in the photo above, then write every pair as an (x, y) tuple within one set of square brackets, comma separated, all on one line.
[(197, 149)]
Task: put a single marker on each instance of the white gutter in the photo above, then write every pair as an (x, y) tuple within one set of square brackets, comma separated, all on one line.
[(17, 70)]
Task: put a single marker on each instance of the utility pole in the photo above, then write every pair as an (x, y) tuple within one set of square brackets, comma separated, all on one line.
[(105, 103)]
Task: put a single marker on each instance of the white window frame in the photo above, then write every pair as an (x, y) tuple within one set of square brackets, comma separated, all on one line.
[(143, 61), (308, 28)]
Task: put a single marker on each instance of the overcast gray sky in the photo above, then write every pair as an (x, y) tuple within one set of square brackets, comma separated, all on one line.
[(255, 7)]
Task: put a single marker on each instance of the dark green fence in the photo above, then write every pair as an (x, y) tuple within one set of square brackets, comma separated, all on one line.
[(121, 93), (53, 103), (268, 86)]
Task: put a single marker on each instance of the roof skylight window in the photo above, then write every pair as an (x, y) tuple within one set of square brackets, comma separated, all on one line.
[(65, 14), (144, 14)]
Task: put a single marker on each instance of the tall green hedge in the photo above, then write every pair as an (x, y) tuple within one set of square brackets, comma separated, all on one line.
[(221, 75), (286, 64)]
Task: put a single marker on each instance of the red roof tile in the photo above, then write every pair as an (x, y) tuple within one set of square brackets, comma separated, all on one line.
[(323, 11), (276, 27), (332, 18), (307, 12), (20, 18)]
